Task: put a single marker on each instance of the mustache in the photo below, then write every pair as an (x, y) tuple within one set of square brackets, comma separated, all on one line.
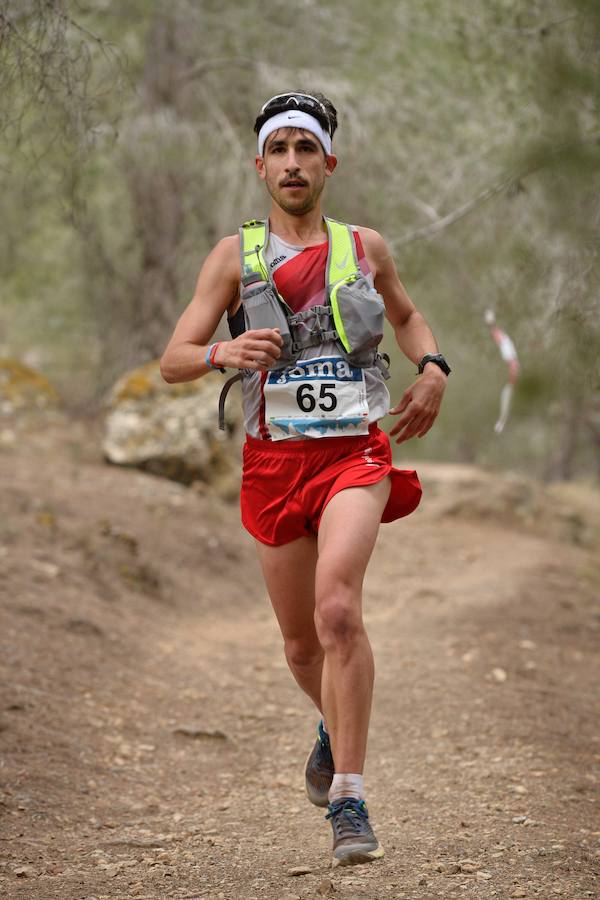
[(295, 180)]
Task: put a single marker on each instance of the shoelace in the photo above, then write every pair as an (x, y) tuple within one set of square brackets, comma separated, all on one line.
[(354, 812)]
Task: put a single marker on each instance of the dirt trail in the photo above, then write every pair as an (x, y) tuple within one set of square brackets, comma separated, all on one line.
[(153, 740)]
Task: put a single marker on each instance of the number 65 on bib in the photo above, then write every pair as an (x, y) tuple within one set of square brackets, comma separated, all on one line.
[(321, 397)]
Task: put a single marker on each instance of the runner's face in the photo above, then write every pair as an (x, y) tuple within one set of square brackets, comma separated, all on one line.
[(294, 168)]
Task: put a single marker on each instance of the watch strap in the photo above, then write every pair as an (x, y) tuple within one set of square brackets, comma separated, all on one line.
[(436, 358)]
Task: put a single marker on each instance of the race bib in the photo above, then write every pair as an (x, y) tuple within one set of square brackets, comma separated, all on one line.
[(321, 397)]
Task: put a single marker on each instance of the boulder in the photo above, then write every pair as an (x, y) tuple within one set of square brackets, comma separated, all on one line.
[(172, 429), (29, 403), (24, 390)]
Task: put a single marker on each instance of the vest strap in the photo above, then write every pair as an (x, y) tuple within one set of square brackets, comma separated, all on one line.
[(254, 235), (342, 262), (304, 314), (319, 337), (342, 268)]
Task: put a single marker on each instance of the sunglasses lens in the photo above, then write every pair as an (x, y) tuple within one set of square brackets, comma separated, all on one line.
[(304, 102), (295, 100)]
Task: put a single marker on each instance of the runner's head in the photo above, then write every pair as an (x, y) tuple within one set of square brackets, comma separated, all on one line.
[(295, 156), (318, 115)]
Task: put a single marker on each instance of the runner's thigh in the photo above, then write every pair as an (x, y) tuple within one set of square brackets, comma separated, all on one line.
[(347, 534), (289, 573)]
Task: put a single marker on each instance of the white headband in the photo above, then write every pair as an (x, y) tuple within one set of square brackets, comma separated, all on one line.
[(294, 118)]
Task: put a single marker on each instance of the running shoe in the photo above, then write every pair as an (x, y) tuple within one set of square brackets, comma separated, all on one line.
[(319, 769), (353, 839)]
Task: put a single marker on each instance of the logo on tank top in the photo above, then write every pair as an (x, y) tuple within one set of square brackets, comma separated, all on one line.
[(277, 260)]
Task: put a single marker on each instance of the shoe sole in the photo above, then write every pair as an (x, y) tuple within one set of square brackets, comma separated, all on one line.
[(356, 857), (321, 800)]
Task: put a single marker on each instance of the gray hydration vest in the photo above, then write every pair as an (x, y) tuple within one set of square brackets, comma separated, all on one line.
[(353, 316)]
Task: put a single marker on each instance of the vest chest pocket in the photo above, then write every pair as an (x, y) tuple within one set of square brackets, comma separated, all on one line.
[(359, 315), (262, 309)]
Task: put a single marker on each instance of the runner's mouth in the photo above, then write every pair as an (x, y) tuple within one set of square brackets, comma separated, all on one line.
[(294, 184)]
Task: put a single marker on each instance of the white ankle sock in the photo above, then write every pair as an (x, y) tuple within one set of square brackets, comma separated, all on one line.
[(346, 785)]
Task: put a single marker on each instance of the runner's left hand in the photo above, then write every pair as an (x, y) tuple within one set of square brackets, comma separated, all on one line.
[(420, 405)]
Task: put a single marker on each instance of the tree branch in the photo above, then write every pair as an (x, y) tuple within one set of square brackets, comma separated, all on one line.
[(201, 68), (542, 30), (428, 231)]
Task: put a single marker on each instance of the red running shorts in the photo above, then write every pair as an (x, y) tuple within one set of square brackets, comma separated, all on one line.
[(286, 485)]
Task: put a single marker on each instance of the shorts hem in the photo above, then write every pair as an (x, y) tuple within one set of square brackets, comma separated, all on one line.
[(345, 487), (271, 543)]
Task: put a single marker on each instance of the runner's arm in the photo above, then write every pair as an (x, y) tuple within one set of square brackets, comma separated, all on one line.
[(216, 289), (421, 402)]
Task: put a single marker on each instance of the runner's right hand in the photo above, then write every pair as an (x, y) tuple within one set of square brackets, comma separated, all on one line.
[(256, 350)]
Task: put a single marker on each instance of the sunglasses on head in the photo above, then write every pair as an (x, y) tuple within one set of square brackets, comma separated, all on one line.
[(282, 102)]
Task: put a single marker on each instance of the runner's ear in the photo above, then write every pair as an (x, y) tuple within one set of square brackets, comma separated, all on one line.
[(330, 163)]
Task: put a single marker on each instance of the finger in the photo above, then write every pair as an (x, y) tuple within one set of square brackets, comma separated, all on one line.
[(426, 426), (412, 428), (400, 407), (266, 334), (400, 424), (259, 363), (257, 347), (411, 413)]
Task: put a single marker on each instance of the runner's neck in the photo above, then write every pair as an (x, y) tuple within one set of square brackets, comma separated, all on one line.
[(301, 231)]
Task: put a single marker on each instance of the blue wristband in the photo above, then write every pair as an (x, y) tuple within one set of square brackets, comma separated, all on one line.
[(207, 357), (208, 361)]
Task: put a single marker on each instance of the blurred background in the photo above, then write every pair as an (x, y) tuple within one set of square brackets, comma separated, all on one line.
[(468, 136)]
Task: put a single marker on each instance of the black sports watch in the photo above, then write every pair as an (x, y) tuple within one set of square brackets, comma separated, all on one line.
[(436, 358)]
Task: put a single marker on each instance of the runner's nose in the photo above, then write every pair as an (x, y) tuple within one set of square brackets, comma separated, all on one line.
[(292, 167)]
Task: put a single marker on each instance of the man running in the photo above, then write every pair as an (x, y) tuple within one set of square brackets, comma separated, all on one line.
[(317, 476)]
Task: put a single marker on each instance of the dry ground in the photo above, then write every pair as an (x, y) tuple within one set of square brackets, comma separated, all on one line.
[(153, 740)]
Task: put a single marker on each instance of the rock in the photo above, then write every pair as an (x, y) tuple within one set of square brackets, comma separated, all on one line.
[(172, 429), (300, 870), (447, 868), (468, 866), (482, 875), (24, 872), (518, 789), (83, 626), (23, 390), (499, 675), (519, 892), (193, 731), (326, 887), (50, 570), (519, 820)]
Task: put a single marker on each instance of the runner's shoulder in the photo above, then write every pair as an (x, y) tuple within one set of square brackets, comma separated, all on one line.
[(226, 254), (375, 247)]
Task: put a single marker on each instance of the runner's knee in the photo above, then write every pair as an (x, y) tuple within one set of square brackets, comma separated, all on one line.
[(338, 619), (302, 654)]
